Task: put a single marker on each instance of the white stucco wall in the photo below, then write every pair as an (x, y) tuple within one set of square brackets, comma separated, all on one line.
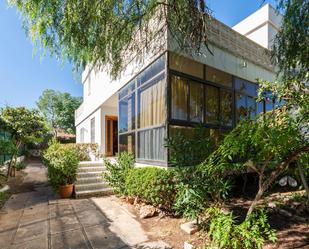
[(261, 26)]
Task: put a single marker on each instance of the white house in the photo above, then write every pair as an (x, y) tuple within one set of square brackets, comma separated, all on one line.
[(170, 90)]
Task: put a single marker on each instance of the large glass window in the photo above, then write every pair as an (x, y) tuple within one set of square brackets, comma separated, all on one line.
[(179, 98), (127, 143), (127, 114), (226, 107), (212, 105), (152, 103), (219, 77), (151, 144), (196, 102), (185, 65)]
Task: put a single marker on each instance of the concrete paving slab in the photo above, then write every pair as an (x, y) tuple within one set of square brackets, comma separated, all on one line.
[(35, 230), (40, 243), (6, 238), (64, 223), (69, 240), (101, 237), (83, 205), (60, 210), (92, 218)]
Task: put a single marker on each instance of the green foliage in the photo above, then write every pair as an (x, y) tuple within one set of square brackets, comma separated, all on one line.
[(291, 45), (84, 150), (154, 186), (224, 232), (58, 108), (25, 126), (7, 147), (4, 196), (20, 165), (116, 173), (189, 148), (62, 163), (104, 33)]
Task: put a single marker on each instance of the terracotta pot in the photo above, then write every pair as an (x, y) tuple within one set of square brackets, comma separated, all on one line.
[(66, 191)]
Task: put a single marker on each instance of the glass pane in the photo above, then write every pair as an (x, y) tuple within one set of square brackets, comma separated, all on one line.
[(196, 102), (151, 144), (251, 105), (154, 69), (127, 114), (241, 107), (152, 104), (179, 98), (219, 77), (185, 65), (246, 87), (260, 107), (92, 130), (181, 130), (269, 106), (127, 89), (127, 143), (226, 106), (212, 105)]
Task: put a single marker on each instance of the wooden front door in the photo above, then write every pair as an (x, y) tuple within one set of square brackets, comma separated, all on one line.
[(111, 135)]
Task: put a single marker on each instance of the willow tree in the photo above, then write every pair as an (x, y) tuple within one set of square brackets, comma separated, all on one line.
[(102, 33)]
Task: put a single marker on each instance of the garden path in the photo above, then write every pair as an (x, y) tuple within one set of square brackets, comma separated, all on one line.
[(36, 219)]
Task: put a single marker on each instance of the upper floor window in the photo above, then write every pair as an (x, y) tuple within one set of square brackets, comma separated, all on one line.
[(89, 85), (216, 76)]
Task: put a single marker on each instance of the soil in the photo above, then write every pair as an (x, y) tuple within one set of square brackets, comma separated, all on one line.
[(292, 232)]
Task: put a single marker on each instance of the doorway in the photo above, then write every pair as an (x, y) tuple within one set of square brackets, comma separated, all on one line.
[(111, 135)]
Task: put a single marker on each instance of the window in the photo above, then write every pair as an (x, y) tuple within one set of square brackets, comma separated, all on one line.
[(127, 114), (212, 105), (219, 77), (226, 107), (246, 106), (92, 130), (153, 70), (196, 102), (179, 98), (127, 143), (82, 135), (151, 103), (89, 84), (151, 144), (185, 65)]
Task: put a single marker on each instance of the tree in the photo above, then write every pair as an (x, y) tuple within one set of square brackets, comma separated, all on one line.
[(58, 108), (25, 126), (103, 33)]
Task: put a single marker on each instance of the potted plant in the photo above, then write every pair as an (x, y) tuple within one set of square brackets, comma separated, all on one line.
[(62, 162)]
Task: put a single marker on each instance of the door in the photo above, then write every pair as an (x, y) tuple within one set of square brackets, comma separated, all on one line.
[(111, 135)]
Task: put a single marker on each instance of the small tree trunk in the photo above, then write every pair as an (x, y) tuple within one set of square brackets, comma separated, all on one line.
[(256, 200), (303, 179)]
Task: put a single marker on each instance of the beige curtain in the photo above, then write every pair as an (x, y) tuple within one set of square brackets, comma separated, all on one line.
[(152, 102), (179, 98)]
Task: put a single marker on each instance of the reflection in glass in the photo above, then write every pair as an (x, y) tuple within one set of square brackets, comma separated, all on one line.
[(152, 104), (196, 102), (127, 114), (127, 143), (226, 106), (219, 77), (212, 105), (179, 98)]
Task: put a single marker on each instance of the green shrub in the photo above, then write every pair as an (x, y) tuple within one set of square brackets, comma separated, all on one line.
[(225, 233), (20, 165), (154, 186), (62, 162), (4, 196), (116, 172), (83, 150)]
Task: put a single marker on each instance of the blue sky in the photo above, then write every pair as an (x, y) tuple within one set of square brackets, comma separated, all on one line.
[(24, 76)]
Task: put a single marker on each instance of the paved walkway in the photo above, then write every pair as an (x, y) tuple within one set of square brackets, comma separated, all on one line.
[(39, 220)]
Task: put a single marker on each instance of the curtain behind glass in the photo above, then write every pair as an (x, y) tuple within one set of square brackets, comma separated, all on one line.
[(179, 98), (152, 102)]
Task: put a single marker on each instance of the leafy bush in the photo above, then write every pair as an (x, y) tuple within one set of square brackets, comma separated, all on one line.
[(84, 150), (62, 162), (116, 172), (225, 233), (153, 185), (189, 147), (4, 196), (20, 165)]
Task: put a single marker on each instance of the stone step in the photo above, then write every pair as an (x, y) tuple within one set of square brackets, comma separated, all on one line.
[(91, 164), (94, 192), (90, 186), (86, 180), (91, 169), (81, 175)]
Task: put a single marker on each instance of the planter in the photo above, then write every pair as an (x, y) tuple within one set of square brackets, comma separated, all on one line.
[(66, 191)]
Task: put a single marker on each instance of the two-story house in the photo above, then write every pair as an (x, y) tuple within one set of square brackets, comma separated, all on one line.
[(171, 90)]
